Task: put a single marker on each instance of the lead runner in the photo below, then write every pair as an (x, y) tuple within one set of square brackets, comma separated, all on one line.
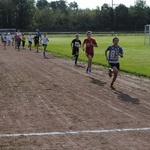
[(113, 59)]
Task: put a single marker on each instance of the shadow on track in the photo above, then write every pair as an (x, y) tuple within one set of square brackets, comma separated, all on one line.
[(127, 98), (97, 82)]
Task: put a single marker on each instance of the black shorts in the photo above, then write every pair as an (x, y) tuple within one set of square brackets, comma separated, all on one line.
[(117, 65), (75, 52), (36, 42), (44, 45)]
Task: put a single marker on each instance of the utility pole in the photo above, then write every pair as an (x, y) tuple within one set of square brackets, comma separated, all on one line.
[(112, 16)]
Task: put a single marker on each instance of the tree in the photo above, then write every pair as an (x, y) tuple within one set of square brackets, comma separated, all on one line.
[(41, 4), (138, 15), (24, 11), (6, 14), (121, 17), (44, 19), (61, 5), (106, 17), (73, 5)]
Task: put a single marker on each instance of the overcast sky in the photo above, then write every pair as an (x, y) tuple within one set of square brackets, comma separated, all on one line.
[(93, 3)]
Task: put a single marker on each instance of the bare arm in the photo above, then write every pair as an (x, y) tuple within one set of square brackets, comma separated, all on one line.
[(121, 55), (106, 54), (83, 46)]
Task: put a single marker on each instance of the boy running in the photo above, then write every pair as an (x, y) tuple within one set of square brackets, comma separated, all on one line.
[(44, 43), (36, 42), (89, 43), (4, 41), (75, 45), (113, 59), (30, 38), (9, 38), (18, 42), (15, 38), (23, 38)]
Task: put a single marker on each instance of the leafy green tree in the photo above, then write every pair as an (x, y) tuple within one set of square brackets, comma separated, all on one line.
[(73, 5), (60, 16), (121, 17), (106, 18), (6, 14), (41, 4), (44, 19), (61, 5), (24, 11), (138, 15), (84, 20), (61, 21)]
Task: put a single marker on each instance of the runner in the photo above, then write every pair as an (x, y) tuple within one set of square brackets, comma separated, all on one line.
[(23, 38), (113, 59), (36, 42), (15, 38), (75, 45), (89, 44), (44, 43), (18, 42), (9, 38), (4, 40), (30, 38)]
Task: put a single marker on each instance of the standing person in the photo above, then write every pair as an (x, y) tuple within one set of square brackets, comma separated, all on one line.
[(44, 43), (88, 45), (113, 59), (23, 39), (75, 45), (30, 38), (36, 42)]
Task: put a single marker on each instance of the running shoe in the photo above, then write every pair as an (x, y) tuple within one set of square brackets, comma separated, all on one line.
[(112, 87), (110, 72), (89, 71)]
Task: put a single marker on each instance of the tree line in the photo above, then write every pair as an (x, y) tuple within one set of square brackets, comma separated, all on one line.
[(62, 16)]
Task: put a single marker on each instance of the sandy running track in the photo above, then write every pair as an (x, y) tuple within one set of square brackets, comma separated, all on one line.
[(52, 95)]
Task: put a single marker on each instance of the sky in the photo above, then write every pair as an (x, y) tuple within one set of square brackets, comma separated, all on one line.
[(91, 4)]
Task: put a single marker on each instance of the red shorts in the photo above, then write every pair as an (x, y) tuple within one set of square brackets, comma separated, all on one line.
[(90, 54)]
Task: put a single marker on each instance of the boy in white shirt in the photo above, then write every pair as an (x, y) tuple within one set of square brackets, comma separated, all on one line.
[(44, 43), (9, 38), (30, 39), (4, 40)]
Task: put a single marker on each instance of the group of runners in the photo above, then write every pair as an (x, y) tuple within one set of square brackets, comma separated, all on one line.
[(112, 54), (19, 39)]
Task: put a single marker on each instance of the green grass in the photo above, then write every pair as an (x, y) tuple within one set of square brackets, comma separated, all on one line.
[(136, 54)]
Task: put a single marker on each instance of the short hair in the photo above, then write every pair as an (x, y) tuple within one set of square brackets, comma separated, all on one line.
[(115, 39), (89, 32), (77, 34)]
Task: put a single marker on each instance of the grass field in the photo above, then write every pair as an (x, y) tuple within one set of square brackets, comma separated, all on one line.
[(136, 54)]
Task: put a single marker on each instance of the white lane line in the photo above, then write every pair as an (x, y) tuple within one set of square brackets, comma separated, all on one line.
[(75, 132)]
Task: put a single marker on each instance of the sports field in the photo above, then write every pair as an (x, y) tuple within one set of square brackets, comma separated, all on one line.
[(50, 104), (136, 54)]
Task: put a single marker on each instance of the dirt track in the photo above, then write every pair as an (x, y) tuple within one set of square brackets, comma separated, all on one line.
[(52, 95)]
